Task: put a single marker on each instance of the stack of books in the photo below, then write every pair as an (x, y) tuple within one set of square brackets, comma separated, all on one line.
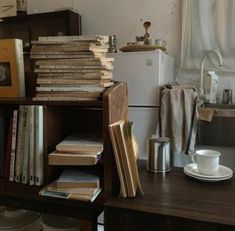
[(71, 67), (126, 153), (77, 149), (74, 184)]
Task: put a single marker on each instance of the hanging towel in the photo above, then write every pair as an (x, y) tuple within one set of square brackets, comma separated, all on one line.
[(179, 118)]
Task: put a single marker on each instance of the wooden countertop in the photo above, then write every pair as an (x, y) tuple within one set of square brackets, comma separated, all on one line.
[(175, 194)]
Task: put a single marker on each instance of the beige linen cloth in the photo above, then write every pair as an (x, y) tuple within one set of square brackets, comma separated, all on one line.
[(206, 114), (179, 118)]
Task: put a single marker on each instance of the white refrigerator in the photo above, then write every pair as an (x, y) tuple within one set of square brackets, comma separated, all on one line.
[(144, 72)]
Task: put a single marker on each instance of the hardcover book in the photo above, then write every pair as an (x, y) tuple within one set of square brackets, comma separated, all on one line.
[(58, 158), (3, 139), (21, 136), (8, 150), (81, 143), (32, 146), (26, 150), (12, 81), (75, 178), (13, 145), (125, 152), (70, 195), (38, 110)]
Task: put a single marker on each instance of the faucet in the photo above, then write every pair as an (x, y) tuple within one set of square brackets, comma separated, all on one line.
[(201, 90)]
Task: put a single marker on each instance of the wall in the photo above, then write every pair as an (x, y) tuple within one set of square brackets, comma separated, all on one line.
[(34, 6), (124, 18)]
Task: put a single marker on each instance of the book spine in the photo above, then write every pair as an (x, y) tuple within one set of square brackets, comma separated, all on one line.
[(39, 144), (61, 98), (3, 135), (32, 146), (79, 89), (101, 38), (25, 171), (20, 142), (63, 195), (74, 159), (67, 81), (13, 145), (77, 196), (8, 150)]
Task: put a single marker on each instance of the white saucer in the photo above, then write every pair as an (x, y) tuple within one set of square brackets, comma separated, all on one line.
[(223, 173)]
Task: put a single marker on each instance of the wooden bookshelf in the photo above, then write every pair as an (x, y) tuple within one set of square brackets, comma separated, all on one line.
[(61, 119), (30, 27)]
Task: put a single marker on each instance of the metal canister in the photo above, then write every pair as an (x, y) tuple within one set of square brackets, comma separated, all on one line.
[(159, 155), (112, 44), (227, 96)]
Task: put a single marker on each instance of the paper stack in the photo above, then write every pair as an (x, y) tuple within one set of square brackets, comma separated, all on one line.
[(71, 67), (77, 149), (74, 184)]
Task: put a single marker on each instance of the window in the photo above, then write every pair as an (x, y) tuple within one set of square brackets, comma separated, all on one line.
[(208, 24)]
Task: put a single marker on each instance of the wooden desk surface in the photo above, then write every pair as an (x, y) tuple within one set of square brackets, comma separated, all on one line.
[(177, 195)]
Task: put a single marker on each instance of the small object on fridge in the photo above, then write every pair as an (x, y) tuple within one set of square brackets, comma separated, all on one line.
[(227, 96), (210, 87)]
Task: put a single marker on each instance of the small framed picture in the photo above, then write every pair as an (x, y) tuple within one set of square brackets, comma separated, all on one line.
[(5, 74), (12, 81)]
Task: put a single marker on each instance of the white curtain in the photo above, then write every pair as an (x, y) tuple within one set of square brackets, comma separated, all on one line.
[(208, 24)]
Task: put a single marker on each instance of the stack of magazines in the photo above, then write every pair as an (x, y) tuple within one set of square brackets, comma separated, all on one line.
[(71, 67)]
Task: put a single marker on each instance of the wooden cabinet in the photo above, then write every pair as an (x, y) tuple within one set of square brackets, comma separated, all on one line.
[(30, 27), (61, 119)]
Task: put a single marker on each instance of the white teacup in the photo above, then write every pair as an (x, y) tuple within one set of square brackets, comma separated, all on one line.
[(151, 41), (207, 161), (160, 42)]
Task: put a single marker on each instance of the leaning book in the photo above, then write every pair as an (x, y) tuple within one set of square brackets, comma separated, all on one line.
[(125, 153), (12, 80)]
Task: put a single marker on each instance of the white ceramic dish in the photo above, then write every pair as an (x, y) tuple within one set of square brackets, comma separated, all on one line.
[(223, 173)]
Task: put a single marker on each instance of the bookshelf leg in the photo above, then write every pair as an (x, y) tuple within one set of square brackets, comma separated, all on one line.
[(86, 225)]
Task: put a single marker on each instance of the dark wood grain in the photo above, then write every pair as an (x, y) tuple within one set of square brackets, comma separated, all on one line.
[(176, 198), (208, 132), (61, 119), (34, 23), (28, 101)]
